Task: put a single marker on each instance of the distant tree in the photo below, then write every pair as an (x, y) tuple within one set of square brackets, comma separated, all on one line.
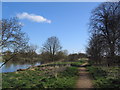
[(45, 57), (73, 57), (82, 55), (62, 55), (31, 51), (105, 21), (52, 46), (12, 38), (7, 54)]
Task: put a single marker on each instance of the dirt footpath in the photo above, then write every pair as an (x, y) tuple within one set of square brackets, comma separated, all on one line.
[(85, 80)]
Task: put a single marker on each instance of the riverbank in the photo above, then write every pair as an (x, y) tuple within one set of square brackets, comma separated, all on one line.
[(12, 67), (52, 75)]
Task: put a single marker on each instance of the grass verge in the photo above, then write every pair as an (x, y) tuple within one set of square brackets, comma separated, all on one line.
[(105, 77), (41, 77)]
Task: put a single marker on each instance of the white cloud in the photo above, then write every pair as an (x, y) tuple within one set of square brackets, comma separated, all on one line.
[(32, 17)]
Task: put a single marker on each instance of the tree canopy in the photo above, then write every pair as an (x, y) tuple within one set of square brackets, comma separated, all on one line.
[(105, 29), (52, 47)]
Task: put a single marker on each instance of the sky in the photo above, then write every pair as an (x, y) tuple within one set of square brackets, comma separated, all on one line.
[(69, 21)]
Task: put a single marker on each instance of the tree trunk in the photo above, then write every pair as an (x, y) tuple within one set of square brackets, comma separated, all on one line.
[(112, 55)]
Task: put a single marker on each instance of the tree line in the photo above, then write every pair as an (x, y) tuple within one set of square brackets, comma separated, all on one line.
[(104, 43)]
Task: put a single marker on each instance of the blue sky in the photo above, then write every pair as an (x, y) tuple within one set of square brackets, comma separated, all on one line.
[(68, 21)]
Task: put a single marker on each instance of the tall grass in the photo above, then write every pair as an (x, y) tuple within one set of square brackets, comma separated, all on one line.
[(105, 77)]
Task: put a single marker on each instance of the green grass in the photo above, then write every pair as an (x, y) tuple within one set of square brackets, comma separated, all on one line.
[(65, 79), (105, 77), (40, 77), (76, 63)]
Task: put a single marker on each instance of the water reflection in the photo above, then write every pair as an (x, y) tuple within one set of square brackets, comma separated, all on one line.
[(11, 67)]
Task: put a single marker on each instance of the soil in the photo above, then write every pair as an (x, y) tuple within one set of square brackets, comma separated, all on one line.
[(85, 80)]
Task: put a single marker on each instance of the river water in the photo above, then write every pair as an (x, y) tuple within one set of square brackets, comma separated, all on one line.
[(12, 67)]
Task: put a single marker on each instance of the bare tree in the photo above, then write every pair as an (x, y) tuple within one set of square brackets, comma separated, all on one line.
[(31, 51), (12, 38), (52, 46), (105, 21), (30, 48), (96, 49)]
